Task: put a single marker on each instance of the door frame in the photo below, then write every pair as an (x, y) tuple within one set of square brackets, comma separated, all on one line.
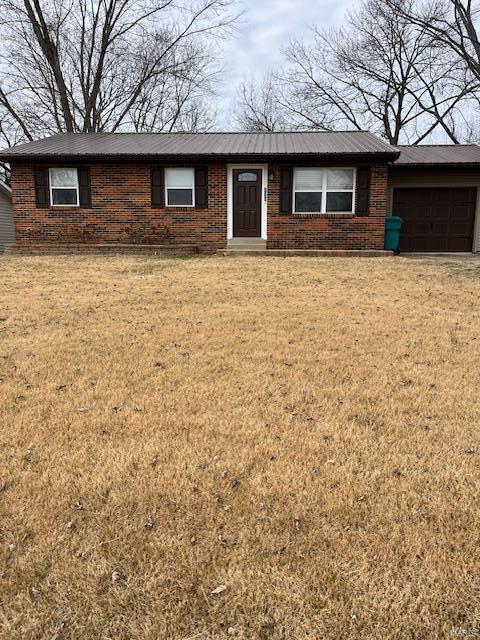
[(264, 195)]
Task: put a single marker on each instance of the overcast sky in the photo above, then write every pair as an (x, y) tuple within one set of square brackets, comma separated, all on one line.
[(269, 24)]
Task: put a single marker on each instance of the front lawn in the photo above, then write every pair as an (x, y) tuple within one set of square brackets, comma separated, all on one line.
[(256, 448)]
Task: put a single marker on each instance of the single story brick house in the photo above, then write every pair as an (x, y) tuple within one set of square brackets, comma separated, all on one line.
[(283, 190)]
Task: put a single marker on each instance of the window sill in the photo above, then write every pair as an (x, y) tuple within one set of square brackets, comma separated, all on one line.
[(179, 208), (65, 206)]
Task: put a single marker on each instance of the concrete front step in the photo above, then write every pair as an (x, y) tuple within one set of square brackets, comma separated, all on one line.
[(245, 248), (80, 248), (340, 253), (246, 244)]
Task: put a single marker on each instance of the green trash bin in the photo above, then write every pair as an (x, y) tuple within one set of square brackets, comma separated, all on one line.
[(393, 224)]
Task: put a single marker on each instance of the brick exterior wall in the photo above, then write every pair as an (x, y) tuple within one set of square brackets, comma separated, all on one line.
[(333, 230), (121, 212)]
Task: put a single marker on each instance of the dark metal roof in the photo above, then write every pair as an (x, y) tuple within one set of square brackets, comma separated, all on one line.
[(435, 155), (4, 188), (202, 144)]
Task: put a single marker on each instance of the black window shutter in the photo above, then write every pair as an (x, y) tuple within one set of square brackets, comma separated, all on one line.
[(201, 187), (286, 190), (363, 191), (42, 195), (157, 187), (85, 192)]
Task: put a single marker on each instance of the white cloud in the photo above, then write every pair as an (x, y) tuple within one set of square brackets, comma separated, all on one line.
[(269, 25)]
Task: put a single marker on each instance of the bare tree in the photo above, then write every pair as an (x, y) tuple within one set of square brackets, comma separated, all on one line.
[(454, 25), (259, 105), (379, 72), (108, 65), (4, 173)]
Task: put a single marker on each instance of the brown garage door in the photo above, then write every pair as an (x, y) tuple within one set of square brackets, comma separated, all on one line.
[(435, 219)]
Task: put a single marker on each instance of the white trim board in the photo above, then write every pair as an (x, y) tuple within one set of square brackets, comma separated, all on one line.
[(264, 169)]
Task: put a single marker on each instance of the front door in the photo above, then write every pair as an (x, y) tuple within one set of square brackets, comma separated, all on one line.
[(247, 203)]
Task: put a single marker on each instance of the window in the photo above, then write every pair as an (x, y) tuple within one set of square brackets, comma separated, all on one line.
[(180, 186), (308, 190), (247, 176), (340, 190), (323, 190), (64, 187)]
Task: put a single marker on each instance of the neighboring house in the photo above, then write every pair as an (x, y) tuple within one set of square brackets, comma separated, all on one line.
[(7, 230), (302, 190)]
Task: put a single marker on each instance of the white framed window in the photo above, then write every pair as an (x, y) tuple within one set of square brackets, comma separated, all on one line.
[(180, 187), (319, 190), (308, 190), (64, 187)]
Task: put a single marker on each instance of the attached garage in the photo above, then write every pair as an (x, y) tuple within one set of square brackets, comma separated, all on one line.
[(435, 190)]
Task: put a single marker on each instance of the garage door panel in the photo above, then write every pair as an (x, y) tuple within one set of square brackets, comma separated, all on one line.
[(440, 245), (440, 217), (436, 219), (460, 228), (418, 242), (459, 244), (437, 198), (459, 211), (418, 228)]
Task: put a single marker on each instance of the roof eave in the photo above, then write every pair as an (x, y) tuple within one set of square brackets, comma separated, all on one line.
[(386, 156), (432, 165)]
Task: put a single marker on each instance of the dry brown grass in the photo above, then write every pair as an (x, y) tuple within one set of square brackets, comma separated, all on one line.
[(303, 431)]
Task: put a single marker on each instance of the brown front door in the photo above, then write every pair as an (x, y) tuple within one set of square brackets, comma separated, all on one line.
[(435, 219), (247, 203)]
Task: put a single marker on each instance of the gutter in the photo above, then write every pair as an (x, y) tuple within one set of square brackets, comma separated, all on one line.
[(438, 165), (221, 158)]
